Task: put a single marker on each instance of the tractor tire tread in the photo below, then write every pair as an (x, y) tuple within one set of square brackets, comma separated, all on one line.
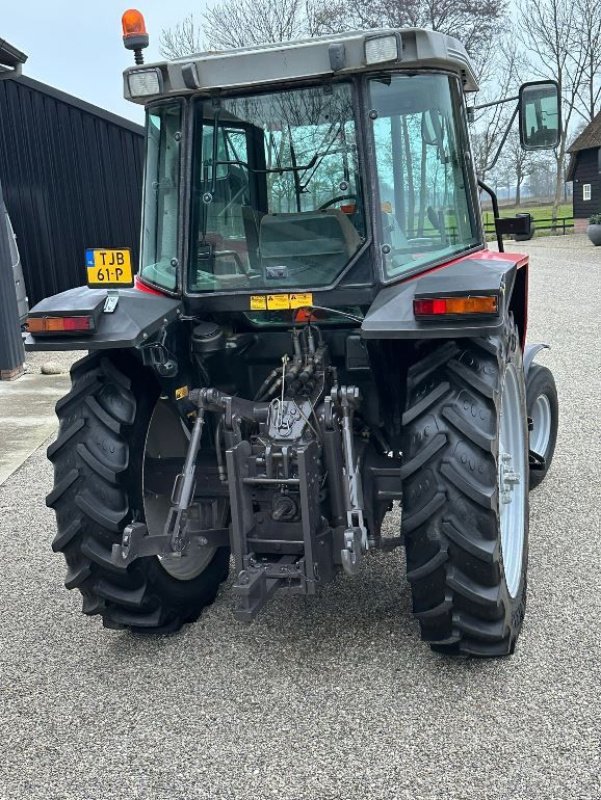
[(65, 535), (97, 460), (540, 379), (450, 497)]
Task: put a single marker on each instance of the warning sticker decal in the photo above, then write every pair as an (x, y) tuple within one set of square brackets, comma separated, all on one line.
[(280, 302)]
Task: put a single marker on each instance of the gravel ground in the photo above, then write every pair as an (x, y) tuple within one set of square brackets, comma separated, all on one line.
[(60, 360), (333, 697)]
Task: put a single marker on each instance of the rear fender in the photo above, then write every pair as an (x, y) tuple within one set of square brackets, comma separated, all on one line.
[(530, 354), (505, 274), (137, 317)]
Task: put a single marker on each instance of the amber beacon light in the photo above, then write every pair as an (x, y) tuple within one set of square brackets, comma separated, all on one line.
[(135, 36)]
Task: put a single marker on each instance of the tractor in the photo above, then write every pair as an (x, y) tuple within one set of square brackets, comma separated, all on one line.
[(316, 330)]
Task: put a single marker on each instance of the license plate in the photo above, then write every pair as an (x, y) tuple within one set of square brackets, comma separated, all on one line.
[(109, 267)]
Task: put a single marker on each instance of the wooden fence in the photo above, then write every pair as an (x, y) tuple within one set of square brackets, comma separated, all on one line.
[(561, 225)]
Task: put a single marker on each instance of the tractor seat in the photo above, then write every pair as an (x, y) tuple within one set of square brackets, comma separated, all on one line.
[(323, 240)]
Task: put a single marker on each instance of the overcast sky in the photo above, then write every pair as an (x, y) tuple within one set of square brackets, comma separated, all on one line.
[(77, 46)]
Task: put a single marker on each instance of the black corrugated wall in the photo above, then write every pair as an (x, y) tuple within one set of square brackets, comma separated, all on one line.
[(72, 178)]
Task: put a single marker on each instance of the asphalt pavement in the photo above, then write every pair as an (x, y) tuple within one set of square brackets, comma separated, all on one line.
[(333, 697)]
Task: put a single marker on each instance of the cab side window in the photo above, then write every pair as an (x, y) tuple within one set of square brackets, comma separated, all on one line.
[(161, 196)]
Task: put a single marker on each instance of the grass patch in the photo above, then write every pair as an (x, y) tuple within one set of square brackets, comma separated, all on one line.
[(538, 212)]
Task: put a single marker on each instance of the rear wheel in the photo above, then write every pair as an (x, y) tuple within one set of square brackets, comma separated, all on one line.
[(543, 410), (112, 426), (465, 493)]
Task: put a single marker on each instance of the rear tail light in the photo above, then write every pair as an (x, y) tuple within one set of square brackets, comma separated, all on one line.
[(42, 325), (456, 306)]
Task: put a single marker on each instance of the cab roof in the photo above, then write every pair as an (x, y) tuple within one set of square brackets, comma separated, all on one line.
[(341, 54)]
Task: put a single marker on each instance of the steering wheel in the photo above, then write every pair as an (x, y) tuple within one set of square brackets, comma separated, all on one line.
[(338, 199)]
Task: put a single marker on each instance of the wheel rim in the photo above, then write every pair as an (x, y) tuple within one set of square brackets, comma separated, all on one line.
[(541, 425), (513, 476), (166, 438)]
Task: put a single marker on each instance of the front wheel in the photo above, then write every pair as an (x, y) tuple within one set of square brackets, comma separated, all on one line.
[(113, 427), (465, 493)]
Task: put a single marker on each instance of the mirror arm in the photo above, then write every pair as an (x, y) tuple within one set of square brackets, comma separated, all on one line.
[(494, 103), (495, 210), (503, 140)]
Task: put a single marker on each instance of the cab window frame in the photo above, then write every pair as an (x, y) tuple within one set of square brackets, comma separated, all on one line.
[(181, 216), (383, 273), (193, 155)]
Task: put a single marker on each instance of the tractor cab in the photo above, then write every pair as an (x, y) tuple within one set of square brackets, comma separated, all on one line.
[(338, 164), (356, 175), (278, 185)]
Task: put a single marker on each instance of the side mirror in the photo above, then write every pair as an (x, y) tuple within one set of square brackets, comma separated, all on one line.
[(540, 115)]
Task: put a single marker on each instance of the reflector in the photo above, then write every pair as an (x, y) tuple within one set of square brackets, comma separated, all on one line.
[(302, 315)]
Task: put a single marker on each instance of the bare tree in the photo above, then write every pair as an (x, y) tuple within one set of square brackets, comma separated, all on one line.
[(499, 79), (542, 182), (549, 29), (324, 17), (182, 40), (240, 23), (243, 23), (475, 24), (515, 164), (586, 50)]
